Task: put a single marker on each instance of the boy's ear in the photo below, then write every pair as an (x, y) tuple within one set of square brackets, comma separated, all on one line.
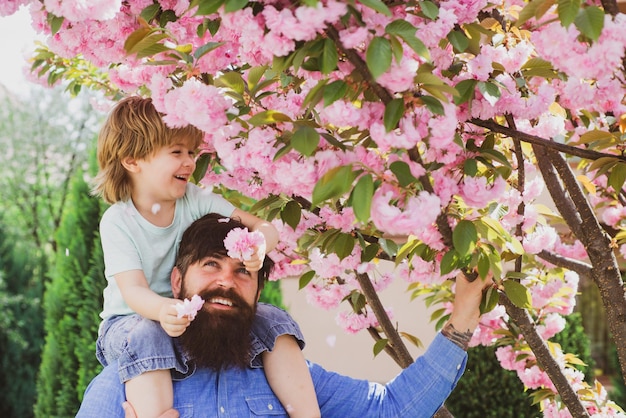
[(130, 164)]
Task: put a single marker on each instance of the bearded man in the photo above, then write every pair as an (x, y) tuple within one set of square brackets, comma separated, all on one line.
[(218, 342)]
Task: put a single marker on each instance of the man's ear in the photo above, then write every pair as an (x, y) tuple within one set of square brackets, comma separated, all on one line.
[(130, 164), (176, 279)]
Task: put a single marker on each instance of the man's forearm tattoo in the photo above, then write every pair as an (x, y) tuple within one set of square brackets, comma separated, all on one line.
[(459, 338)]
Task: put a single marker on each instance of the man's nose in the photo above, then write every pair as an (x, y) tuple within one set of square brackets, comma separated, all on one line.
[(225, 279)]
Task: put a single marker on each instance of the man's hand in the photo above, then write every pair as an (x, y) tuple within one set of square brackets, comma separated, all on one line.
[(467, 296), (129, 412), (170, 322)]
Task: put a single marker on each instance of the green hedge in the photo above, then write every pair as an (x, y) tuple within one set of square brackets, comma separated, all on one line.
[(486, 390)]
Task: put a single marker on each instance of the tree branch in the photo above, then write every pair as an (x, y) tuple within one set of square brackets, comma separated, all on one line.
[(537, 140), (544, 357), (583, 269)]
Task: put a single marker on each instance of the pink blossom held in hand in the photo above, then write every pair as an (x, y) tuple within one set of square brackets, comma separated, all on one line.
[(189, 308), (240, 243)]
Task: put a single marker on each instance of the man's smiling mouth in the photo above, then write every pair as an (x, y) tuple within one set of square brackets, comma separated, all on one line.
[(221, 301)]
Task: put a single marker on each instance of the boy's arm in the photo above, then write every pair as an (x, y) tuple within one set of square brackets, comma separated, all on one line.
[(147, 303), (289, 377), (255, 223)]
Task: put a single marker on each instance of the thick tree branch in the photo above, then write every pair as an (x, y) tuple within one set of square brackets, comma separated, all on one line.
[(559, 194), (544, 357), (395, 341)]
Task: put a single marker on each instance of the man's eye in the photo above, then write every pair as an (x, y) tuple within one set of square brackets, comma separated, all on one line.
[(210, 263), (244, 271)]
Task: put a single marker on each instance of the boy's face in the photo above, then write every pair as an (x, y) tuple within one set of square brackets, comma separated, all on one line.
[(164, 175)]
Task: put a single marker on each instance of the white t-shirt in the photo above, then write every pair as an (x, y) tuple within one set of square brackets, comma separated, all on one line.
[(130, 242)]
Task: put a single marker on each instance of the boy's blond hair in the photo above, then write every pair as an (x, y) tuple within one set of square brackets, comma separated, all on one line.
[(134, 129)]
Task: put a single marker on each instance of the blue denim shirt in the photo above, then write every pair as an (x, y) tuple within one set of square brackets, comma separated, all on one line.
[(418, 391)]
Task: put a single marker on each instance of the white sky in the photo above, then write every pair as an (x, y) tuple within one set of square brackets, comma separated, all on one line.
[(18, 39)]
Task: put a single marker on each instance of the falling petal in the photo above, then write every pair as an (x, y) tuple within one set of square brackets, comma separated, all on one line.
[(156, 208), (331, 340)]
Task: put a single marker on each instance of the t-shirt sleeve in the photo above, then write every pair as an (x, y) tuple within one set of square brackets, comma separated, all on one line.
[(120, 252), (270, 323)]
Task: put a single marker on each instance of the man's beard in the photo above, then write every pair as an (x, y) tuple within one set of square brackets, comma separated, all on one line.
[(220, 339)]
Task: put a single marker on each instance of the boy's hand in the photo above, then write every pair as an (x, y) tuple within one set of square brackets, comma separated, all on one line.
[(255, 262), (170, 322)]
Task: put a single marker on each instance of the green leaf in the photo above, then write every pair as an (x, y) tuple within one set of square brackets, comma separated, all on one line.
[(343, 245), (529, 11), (590, 22), (234, 5), (232, 80), (459, 40), (388, 246), (617, 177), (406, 32), (489, 90), (466, 91), (206, 48), (402, 172), (433, 104), (291, 214), (268, 117), (329, 57), (202, 164), (254, 76), (518, 293), (393, 113), (377, 5), (207, 7), (370, 252), (464, 238), (334, 183), (55, 23), (145, 43), (305, 279), (378, 56), (449, 262), (362, 198), (135, 38), (150, 12), (305, 140), (429, 9), (380, 346), (567, 10), (489, 300), (334, 91)]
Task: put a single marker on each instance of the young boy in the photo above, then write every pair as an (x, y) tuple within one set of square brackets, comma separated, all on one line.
[(144, 171)]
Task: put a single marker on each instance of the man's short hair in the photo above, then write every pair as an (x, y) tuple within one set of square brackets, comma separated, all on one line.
[(205, 237)]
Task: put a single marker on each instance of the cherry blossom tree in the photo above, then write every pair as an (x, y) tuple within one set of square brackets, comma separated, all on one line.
[(425, 133)]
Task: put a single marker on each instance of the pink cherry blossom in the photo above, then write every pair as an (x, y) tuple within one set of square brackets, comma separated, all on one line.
[(189, 307), (243, 244)]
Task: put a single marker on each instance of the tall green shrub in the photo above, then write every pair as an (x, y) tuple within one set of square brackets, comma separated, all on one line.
[(21, 327), (72, 302)]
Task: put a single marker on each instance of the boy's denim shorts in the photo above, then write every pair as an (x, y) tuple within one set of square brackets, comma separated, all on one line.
[(140, 345)]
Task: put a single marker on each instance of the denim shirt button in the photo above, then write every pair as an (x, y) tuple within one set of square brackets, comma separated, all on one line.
[(458, 367), (222, 410), (270, 406)]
